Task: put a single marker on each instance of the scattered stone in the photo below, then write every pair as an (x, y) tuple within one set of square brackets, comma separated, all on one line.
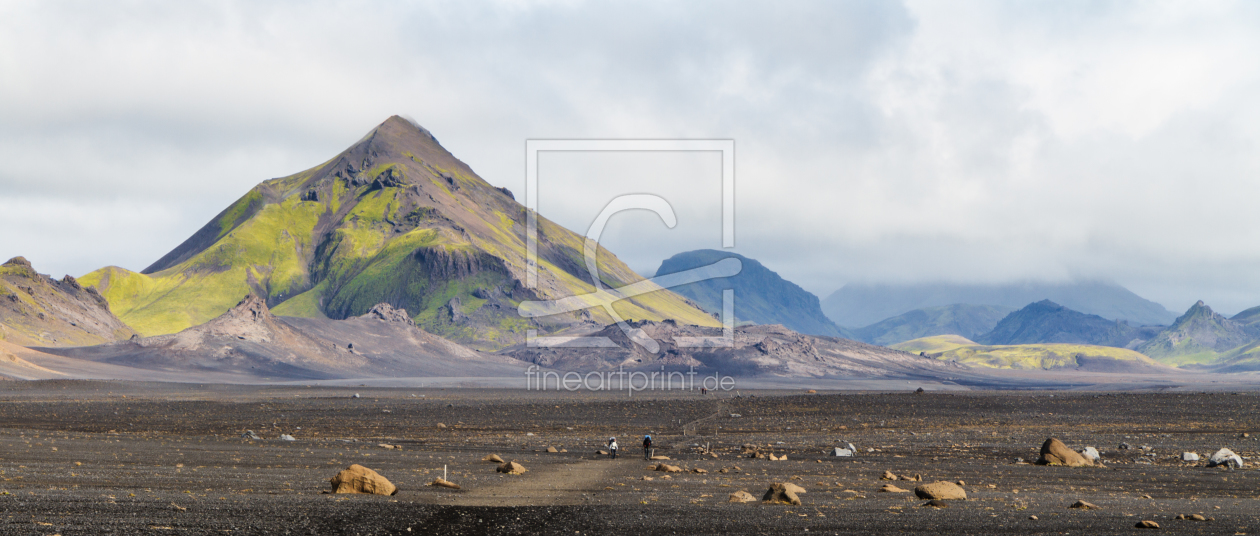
[(915, 478), (1227, 458), (492, 458), (919, 390), (699, 471), (249, 434), (602, 452), (783, 493), (659, 458), (940, 490), (1189, 457), (512, 468), (888, 475), (647, 478), (287, 437), (443, 426), (961, 483), (1054, 452), (668, 468), (843, 453), (356, 395), (1125, 446), (443, 483), (741, 496), (1092, 454), (360, 479), (552, 450), (889, 488), (387, 446), (934, 503), (811, 392), (1032, 518), (1146, 524), (1082, 505)]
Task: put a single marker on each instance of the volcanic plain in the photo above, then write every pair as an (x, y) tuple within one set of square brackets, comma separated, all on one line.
[(96, 457)]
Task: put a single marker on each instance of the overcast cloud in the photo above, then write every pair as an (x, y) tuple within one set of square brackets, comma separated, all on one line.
[(876, 141)]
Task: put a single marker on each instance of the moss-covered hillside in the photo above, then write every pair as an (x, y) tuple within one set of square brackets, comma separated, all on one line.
[(394, 219), (1025, 356)]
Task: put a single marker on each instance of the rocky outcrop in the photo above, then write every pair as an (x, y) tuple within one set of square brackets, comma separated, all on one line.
[(37, 310), (388, 313)]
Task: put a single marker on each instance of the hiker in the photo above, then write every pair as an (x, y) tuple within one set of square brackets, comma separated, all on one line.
[(647, 447), (704, 390), (612, 447)]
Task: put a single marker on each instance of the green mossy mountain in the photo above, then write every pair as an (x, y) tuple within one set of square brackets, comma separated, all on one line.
[(1203, 336), (1049, 322), (37, 310), (761, 295), (393, 219), (969, 321)]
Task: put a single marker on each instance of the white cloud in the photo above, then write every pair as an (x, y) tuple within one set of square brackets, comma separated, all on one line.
[(875, 141)]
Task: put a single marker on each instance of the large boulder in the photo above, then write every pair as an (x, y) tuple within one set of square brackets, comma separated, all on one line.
[(1189, 457), (741, 496), (940, 490), (512, 468), (783, 493), (664, 467), (1227, 458), (1054, 452), (360, 479)]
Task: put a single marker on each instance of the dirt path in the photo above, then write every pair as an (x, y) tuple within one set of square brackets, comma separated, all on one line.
[(556, 484)]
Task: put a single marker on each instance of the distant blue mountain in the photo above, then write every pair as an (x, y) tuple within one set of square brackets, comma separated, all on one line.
[(761, 296), (858, 305)]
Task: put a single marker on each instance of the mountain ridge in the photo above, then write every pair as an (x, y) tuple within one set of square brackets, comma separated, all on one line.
[(761, 295), (395, 219)]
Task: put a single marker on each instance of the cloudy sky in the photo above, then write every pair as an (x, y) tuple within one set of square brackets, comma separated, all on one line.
[(875, 141)]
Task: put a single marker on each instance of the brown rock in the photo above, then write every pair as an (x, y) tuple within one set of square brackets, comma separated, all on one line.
[(492, 458), (443, 483), (601, 452), (1146, 524), (741, 496), (1082, 505), (1054, 452), (936, 503), (699, 471), (783, 493), (552, 450), (360, 479), (889, 488), (659, 458), (668, 468), (940, 490), (512, 468), (888, 475)]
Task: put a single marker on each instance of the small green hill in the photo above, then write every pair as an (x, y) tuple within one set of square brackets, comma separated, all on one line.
[(1202, 336), (761, 295), (1028, 356), (957, 319), (393, 219)]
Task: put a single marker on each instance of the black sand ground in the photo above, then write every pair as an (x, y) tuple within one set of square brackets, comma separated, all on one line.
[(130, 458)]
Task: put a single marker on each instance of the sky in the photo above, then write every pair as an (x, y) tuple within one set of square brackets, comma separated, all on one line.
[(875, 141)]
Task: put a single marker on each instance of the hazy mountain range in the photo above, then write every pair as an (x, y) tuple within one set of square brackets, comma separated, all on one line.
[(394, 258), (858, 305)]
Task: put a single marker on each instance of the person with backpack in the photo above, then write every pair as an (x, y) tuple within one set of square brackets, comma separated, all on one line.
[(647, 447), (612, 447)]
